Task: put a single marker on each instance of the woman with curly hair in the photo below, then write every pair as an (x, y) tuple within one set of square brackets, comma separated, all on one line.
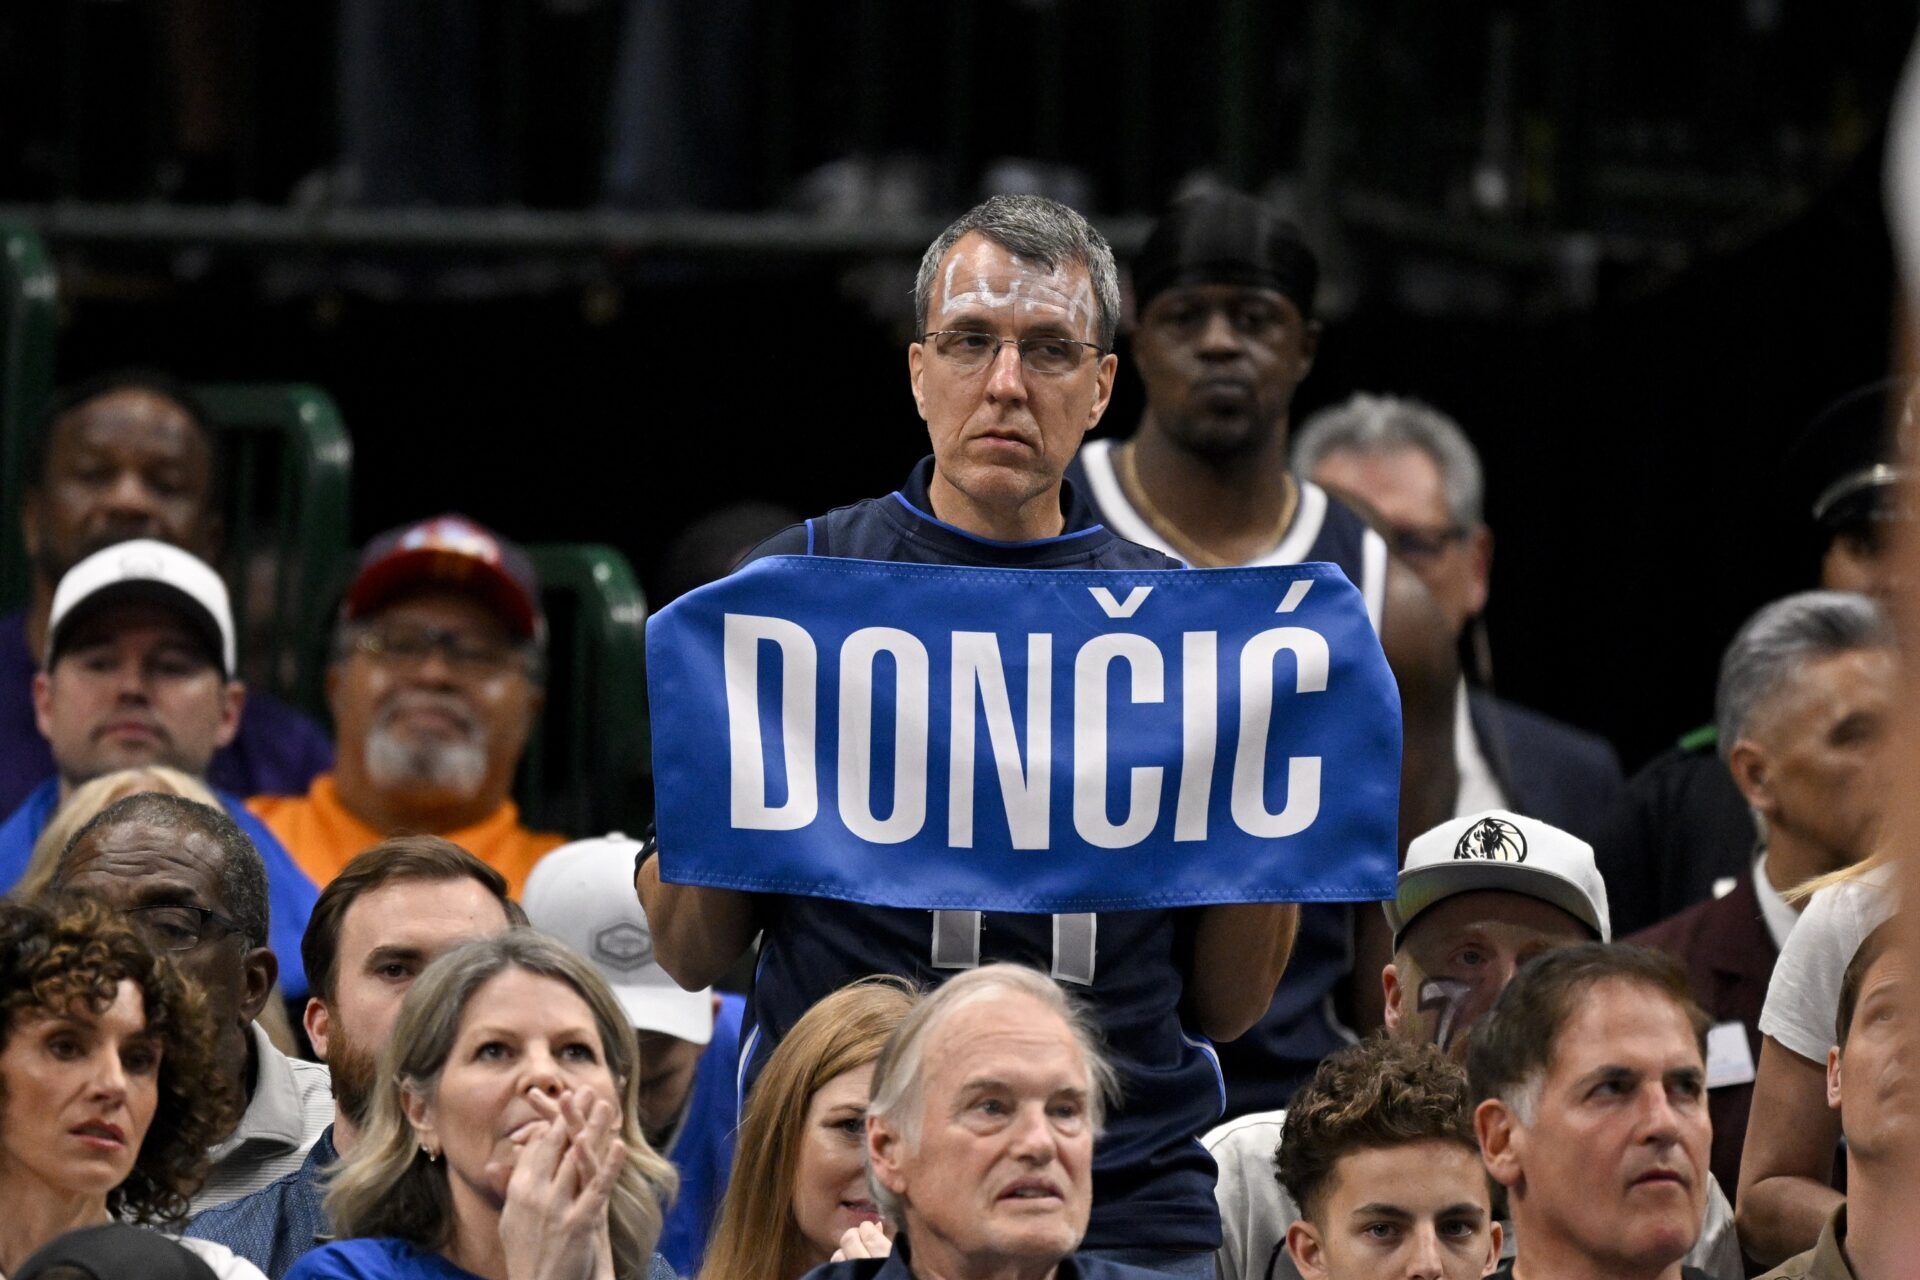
[(799, 1192), (504, 1140), (108, 1096)]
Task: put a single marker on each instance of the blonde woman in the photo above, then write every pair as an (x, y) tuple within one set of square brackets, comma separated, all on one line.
[(799, 1184), (504, 1142)]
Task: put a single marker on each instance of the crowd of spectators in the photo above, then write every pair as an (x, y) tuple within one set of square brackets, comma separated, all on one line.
[(320, 1005)]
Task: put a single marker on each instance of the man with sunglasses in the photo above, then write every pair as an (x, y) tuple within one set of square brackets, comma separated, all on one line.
[(139, 670), (191, 881), (1416, 471), (436, 680)]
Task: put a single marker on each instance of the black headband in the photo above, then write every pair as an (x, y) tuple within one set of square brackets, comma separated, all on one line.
[(1226, 238)]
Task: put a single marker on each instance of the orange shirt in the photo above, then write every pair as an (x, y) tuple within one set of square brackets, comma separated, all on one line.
[(323, 837)]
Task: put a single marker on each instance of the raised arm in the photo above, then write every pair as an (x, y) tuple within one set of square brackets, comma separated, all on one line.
[(1239, 952), (697, 933)]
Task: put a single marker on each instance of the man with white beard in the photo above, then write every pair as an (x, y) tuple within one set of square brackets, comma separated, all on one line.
[(438, 662)]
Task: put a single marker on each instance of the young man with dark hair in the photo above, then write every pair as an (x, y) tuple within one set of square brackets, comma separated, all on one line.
[(1589, 1076), (382, 920), (1380, 1155), (128, 455), (1479, 896), (1868, 1083)]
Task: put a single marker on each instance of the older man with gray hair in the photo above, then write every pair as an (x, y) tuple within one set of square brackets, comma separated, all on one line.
[(980, 1134), (1415, 470), (1804, 703)]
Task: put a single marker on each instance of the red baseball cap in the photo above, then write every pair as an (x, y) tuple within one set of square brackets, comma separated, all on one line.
[(452, 552)]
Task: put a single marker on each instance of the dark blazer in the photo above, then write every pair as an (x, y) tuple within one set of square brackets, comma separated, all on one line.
[(1549, 770), (1679, 825), (1728, 955)]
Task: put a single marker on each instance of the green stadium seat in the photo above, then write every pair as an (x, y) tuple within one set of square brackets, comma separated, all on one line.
[(586, 768), (286, 461)]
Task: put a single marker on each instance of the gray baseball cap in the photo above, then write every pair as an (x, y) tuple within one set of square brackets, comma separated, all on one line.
[(582, 894)]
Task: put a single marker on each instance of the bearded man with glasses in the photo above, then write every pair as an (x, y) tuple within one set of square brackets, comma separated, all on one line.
[(190, 880), (435, 684), (1018, 302)]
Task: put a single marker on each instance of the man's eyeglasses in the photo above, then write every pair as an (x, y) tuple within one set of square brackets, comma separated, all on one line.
[(409, 645), (182, 928), (1415, 544), (971, 351)]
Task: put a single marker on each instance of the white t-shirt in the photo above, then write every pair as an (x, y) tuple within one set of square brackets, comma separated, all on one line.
[(1804, 995), (1255, 1210), (224, 1262)]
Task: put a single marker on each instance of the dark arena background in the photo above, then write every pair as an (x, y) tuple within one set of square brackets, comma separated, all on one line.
[(588, 270)]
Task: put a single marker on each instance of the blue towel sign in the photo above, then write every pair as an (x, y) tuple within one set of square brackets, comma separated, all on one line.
[(1025, 740)]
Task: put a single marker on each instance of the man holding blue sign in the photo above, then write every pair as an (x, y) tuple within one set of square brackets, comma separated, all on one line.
[(800, 741)]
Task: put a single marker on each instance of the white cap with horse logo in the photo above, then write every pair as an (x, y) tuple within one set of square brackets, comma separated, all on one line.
[(1504, 852)]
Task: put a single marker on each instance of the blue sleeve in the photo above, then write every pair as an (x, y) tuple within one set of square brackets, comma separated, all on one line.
[(340, 1261)]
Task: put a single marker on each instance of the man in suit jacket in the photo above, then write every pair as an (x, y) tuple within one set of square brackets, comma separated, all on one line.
[(1805, 696), (1416, 472)]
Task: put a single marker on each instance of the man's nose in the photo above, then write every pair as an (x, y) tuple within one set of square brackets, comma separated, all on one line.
[(1426, 1259), (130, 496), (1033, 1139), (1218, 337), (1006, 376)]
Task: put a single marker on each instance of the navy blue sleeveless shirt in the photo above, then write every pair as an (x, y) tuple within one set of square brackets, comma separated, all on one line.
[(1264, 1066), (1152, 1180)]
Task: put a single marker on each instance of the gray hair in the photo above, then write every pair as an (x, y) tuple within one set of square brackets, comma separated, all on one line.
[(1780, 639), (1043, 230), (241, 875), (898, 1078), (1382, 424)]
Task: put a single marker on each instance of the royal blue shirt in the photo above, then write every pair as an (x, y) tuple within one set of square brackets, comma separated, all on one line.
[(703, 1149), (290, 894), (1152, 1180), (385, 1258), (280, 1223), (277, 750)]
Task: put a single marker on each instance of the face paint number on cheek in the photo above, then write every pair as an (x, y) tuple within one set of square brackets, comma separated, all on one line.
[(1446, 999)]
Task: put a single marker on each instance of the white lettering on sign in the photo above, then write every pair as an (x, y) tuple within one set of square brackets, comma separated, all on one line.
[(909, 809), (1022, 763), (1024, 790), (1250, 812), (740, 651), (1120, 608), (1090, 741)]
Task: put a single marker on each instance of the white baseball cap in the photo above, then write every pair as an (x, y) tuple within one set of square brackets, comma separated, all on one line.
[(146, 571), (582, 894), (1506, 852)]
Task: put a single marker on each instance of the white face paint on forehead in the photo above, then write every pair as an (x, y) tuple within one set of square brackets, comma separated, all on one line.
[(985, 282)]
